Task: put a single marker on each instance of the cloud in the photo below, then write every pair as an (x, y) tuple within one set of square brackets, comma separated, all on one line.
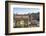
[(25, 10)]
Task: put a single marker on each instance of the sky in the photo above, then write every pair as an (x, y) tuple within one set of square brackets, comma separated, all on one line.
[(25, 10)]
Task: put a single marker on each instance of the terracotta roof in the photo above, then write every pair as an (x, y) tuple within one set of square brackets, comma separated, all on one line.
[(22, 14)]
